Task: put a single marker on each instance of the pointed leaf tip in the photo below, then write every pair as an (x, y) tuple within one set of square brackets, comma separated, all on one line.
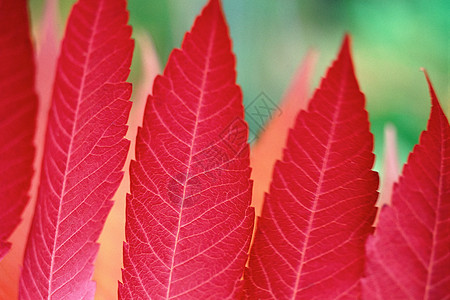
[(217, 4), (189, 219), (416, 224), (434, 100), (346, 46), (213, 8), (315, 220)]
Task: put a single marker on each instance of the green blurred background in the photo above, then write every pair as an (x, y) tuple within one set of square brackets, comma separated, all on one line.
[(392, 40)]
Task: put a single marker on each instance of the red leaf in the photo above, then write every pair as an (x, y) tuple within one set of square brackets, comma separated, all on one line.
[(408, 257), (17, 116), (84, 153), (189, 219), (310, 239)]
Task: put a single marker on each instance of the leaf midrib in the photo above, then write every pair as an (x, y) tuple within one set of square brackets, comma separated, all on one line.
[(319, 185), (194, 135)]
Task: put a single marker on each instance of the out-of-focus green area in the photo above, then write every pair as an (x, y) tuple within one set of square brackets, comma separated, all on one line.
[(392, 40)]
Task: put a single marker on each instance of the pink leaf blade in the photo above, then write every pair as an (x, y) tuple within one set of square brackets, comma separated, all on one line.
[(309, 242), (18, 103), (47, 48), (416, 224), (390, 166), (48, 42), (84, 153), (189, 219)]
